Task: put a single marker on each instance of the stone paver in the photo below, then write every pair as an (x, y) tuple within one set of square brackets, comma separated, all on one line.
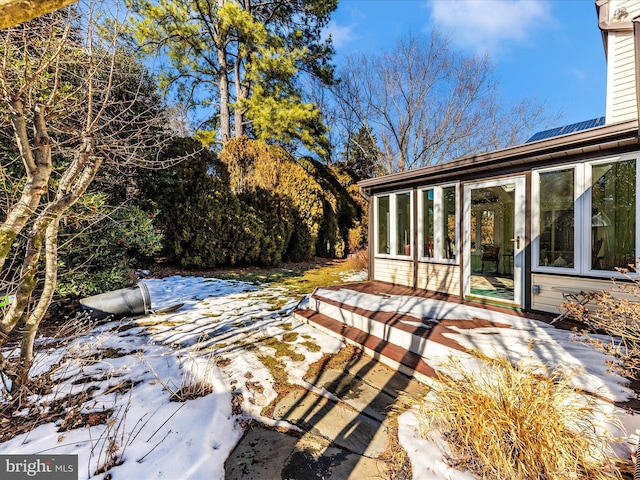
[(345, 426), (260, 455), (342, 440), (357, 393), (385, 378), (265, 454), (330, 462)]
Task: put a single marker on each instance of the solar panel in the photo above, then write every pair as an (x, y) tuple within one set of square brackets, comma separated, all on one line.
[(574, 127)]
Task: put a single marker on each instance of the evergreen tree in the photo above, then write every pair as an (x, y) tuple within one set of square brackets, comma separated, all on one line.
[(244, 57), (361, 154)]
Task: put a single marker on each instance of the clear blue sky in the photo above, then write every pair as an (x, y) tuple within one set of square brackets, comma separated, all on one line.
[(548, 50)]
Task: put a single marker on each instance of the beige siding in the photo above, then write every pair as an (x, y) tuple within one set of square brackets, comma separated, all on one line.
[(632, 6), (551, 287), (398, 272), (621, 78), (439, 278)]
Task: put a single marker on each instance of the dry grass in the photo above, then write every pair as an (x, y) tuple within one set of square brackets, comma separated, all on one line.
[(358, 260), (311, 346), (617, 316), (395, 455), (335, 361), (512, 423), (290, 337), (195, 381)]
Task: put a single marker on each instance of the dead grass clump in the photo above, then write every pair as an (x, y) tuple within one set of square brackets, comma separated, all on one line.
[(222, 362), (512, 423), (359, 260), (278, 371), (290, 337), (282, 349), (395, 456), (255, 386), (74, 419), (334, 361), (195, 381), (311, 346), (191, 391), (236, 403)]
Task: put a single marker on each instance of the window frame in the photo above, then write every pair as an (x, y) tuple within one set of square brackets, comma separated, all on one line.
[(393, 244), (438, 234), (578, 187), (587, 209), (583, 195)]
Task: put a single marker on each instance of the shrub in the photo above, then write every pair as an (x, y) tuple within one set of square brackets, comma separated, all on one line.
[(357, 238), (100, 244), (268, 227), (254, 165), (615, 312), (198, 213), (256, 204), (206, 224), (513, 423)]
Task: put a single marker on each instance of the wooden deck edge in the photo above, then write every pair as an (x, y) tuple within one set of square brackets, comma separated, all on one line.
[(380, 350)]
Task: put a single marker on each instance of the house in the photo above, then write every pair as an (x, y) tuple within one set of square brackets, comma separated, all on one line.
[(522, 226)]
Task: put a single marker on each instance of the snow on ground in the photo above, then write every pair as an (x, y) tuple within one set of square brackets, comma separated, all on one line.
[(215, 340), (158, 354)]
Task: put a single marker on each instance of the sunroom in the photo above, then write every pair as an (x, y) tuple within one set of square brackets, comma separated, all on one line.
[(518, 227)]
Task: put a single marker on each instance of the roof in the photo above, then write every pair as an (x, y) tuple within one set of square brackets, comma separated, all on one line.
[(574, 127), (595, 141)]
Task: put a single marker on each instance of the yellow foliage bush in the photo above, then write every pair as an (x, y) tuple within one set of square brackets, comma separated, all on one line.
[(324, 209)]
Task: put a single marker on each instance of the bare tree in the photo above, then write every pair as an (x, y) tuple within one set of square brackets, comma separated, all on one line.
[(427, 103), (73, 102)]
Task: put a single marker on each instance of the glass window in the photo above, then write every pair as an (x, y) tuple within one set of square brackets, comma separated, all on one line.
[(449, 222), (428, 223), (403, 223), (384, 232), (557, 219), (613, 215)]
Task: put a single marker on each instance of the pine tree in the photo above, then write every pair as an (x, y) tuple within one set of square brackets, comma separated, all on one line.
[(244, 57), (361, 154)]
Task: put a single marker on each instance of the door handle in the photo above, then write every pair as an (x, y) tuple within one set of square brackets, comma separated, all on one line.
[(517, 241)]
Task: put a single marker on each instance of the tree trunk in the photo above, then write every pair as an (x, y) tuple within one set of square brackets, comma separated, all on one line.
[(69, 192), (225, 119), (38, 166), (51, 277), (241, 93)]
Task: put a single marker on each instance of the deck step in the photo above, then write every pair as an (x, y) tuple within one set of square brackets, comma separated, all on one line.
[(392, 355), (407, 332)]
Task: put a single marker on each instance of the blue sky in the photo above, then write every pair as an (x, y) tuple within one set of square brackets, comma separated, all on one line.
[(548, 50)]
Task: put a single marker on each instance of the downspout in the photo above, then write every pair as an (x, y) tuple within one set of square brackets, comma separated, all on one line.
[(364, 193)]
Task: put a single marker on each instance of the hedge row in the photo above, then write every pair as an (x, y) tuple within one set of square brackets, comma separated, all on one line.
[(256, 204)]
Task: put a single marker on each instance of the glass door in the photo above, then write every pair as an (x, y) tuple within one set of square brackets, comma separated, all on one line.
[(494, 246)]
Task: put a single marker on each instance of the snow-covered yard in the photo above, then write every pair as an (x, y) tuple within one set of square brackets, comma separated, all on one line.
[(134, 366), (212, 351)]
